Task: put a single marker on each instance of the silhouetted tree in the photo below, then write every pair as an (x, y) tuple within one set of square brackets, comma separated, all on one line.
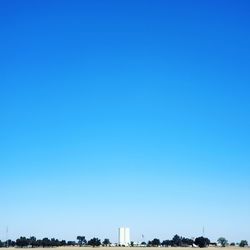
[(106, 242), (222, 241), (243, 243), (81, 240), (63, 243), (186, 242), (46, 242), (39, 243), (71, 243), (32, 241), (155, 243), (22, 242), (95, 242), (9, 243), (176, 241), (56, 243), (202, 242), (166, 243)]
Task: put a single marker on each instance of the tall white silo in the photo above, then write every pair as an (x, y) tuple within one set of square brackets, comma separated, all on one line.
[(124, 236)]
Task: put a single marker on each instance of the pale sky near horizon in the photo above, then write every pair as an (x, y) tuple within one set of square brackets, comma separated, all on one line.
[(132, 113)]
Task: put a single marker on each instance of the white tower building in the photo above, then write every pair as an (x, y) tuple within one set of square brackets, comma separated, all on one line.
[(124, 236)]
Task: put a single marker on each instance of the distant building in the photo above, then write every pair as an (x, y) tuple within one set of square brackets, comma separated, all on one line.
[(124, 236)]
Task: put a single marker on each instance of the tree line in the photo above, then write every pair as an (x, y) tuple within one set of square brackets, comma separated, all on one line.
[(46, 242), (176, 241), (201, 242)]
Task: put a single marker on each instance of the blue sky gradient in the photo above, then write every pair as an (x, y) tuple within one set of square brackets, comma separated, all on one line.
[(129, 113)]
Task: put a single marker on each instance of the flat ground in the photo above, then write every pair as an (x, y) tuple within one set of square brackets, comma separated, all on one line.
[(131, 248)]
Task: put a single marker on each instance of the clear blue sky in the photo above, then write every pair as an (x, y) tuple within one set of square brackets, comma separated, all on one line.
[(129, 113)]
